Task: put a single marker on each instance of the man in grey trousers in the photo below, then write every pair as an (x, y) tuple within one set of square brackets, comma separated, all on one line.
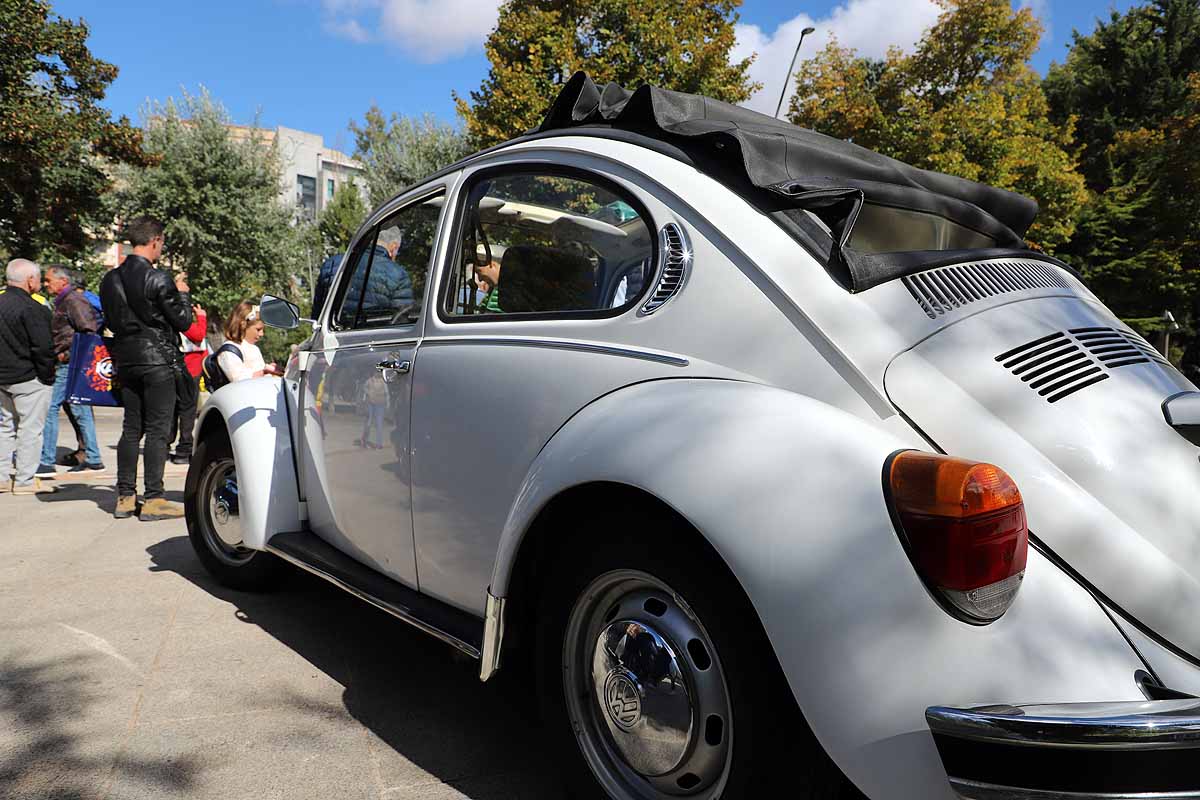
[(26, 377)]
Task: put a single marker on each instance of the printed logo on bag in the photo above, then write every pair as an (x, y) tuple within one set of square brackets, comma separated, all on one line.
[(100, 371)]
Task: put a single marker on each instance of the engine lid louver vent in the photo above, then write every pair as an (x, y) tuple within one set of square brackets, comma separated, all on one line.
[(941, 290), (1063, 363), (676, 253)]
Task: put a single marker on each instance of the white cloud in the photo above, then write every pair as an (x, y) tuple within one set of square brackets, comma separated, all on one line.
[(348, 29), (868, 26), (1041, 10), (427, 30)]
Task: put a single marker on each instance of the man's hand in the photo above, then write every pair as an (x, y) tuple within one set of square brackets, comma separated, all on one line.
[(181, 282)]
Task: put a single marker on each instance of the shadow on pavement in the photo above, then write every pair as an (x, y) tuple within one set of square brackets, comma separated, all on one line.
[(41, 699), (413, 692), (105, 497)]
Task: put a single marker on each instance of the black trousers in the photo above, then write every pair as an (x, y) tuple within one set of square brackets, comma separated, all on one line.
[(183, 422), (148, 393)]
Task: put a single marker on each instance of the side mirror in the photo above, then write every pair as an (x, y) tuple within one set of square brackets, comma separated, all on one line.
[(279, 313), (1182, 412)]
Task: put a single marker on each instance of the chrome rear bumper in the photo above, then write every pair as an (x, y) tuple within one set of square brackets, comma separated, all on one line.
[(1139, 750)]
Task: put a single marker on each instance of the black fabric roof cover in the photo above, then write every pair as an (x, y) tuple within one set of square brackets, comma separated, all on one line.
[(789, 161)]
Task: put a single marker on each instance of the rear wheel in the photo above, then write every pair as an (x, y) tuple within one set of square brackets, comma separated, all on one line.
[(211, 504), (658, 683)]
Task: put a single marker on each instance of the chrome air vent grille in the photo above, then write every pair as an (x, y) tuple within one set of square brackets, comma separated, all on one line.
[(941, 290), (676, 254), (1063, 363)]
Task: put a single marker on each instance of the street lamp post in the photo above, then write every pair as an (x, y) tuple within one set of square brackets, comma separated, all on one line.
[(791, 69)]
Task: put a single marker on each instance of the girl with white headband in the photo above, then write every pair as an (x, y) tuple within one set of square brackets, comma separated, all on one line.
[(244, 329)]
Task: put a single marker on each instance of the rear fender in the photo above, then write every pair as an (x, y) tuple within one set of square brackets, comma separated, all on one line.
[(789, 492), (255, 415)]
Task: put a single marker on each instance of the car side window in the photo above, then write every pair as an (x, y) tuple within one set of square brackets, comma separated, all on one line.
[(545, 243), (390, 266)]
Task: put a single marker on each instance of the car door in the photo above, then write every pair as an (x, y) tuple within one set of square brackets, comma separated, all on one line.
[(540, 287), (358, 390)]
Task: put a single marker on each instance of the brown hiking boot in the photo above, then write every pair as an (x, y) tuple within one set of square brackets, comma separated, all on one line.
[(126, 506), (37, 487), (158, 508)]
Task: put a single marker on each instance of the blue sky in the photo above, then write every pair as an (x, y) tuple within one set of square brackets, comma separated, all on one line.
[(317, 64)]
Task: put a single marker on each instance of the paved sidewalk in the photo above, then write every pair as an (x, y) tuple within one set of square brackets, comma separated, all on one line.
[(125, 672)]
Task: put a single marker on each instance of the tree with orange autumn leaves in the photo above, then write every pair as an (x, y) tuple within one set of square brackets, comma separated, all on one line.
[(965, 101)]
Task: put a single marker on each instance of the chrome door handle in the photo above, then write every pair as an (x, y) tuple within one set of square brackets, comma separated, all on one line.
[(392, 364)]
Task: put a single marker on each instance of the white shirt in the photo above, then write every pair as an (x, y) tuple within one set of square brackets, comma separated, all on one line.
[(241, 369)]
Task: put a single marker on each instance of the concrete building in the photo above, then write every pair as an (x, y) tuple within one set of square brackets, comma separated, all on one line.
[(312, 172)]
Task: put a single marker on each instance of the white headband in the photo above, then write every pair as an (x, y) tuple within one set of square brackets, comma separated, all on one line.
[(253, 315)]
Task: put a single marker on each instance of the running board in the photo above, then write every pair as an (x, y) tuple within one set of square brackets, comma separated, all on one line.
[(313, 554)]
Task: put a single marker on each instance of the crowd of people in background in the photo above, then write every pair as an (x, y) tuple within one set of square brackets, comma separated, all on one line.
[(158, 343)]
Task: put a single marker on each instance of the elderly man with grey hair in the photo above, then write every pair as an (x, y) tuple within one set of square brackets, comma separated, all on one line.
[(26, 375), (72, 314)]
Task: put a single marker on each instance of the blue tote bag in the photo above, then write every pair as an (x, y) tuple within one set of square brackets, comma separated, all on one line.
[(90, 373)]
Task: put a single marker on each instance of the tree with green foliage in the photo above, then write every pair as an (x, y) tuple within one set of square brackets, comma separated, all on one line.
[(341, 219), (219, 195), (398, 152), (538, 44), (56, 142), (964, 102), (1132, 86)]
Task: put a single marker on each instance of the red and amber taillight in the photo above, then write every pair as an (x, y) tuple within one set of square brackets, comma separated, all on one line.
[(964, 526)]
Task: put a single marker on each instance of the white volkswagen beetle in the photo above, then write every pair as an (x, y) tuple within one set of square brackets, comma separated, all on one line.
[(689, 417)]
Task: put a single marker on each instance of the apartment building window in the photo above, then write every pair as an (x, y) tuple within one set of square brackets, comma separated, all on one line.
[(329, 187), (306, 196)]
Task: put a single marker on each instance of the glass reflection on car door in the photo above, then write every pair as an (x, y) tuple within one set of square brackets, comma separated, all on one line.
[(357, 419)]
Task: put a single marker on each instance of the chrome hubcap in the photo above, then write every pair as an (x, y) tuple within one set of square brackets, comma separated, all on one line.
[(639, 683), (645, 691), (222, 523)]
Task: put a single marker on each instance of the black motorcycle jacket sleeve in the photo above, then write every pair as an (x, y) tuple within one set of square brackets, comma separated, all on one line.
[(174, 305)]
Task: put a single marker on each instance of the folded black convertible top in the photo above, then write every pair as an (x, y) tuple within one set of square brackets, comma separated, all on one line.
[(786, 160)]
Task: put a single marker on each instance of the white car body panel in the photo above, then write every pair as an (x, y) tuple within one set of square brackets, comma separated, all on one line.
[(1075, 460), (864, 647), (755, 404), (256, 415)]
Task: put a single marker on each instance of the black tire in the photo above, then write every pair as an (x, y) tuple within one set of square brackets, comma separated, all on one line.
[(771, 751), (237, 568)]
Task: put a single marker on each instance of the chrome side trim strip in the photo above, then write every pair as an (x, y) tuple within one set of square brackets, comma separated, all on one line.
[(493, 636), (398, 613), (560, 344), (1125, 725), (972, 790)]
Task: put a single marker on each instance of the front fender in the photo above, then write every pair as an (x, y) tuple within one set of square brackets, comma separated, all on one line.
[(789, 492), (255, 415)]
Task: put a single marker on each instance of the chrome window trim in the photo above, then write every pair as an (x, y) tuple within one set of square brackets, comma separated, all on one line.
[(444, 186), (562, 344), (537, 162)]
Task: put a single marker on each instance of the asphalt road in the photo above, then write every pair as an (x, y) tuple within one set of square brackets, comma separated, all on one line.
[(125, 672)]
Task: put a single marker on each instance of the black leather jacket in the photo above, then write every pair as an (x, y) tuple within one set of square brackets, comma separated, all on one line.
[(145, 312)]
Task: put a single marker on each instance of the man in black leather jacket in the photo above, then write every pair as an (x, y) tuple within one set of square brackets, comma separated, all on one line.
[(146, 311)]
